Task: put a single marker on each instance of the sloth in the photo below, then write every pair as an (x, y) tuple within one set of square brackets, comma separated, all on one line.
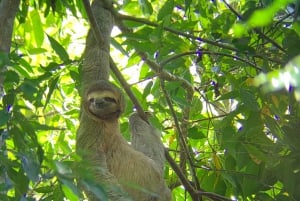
[(125, 172)]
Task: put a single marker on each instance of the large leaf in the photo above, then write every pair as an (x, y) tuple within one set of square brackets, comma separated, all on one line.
[(37, 26), (165, 10), (59, 49)]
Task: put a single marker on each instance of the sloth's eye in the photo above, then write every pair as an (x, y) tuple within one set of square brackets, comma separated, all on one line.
[(108, 99)]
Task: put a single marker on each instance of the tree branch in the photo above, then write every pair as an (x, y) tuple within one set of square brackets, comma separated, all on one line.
[(119, 18), (210, 53), (174, 31), (166, 75), (8, 10), (255, 29), (184, 149), (126, 87)]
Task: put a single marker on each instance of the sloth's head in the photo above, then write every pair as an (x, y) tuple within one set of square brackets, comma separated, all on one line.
[(104, 101)]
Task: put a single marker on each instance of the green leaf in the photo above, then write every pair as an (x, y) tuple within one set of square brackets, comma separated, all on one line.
[(147, 89), (261, 18), (265, 16), (4, 59), (249, 100), (255, 152), (274, 127), (96, 189), (195, 133), (29, 90), (30, 166), (4, 117), (166, 9), (146, 7), (250, 185), (25, 65), (44, 189), (59, 49), (145, 72), (70, 190), (11, 77), (52, 86), (37, 28), (20, 181), (229, 95), (62, 168), (39, 50), (118, 46)]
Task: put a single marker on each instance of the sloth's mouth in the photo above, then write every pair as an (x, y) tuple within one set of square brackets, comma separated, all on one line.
[(102, 102)]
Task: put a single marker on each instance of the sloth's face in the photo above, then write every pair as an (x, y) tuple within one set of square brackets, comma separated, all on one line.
[(104, 105)]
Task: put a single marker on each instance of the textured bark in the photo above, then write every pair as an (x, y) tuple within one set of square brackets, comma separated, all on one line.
[(96, 56), (8, 10)]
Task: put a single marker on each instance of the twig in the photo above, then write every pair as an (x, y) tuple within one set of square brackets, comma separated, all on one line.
[(166, 75), (182, 140), (210, 53), (126, 87), (174, 31), (185, 182), (255, 29)]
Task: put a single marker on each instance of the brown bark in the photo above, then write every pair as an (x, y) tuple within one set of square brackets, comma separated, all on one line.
[(96, 55), (8, 10)]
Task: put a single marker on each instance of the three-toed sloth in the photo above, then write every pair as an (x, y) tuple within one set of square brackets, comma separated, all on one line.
[(128, 172)]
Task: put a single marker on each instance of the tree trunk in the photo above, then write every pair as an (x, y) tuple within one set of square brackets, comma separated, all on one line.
[(96, 56), (8, 10), (96, 67)]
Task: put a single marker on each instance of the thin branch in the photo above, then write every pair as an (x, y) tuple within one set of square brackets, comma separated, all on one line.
[(166, 75), (127, 89), (120, 17), (210, 53), (185, 182), (174, 31), (209, 118), (255, 29), (182, 140)]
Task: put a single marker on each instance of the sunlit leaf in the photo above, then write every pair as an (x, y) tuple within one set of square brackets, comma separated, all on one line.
[(52, 86), (165, 10), (195, 133), (147, 89), (146, 7), (265, 16), (37, 26), (59, 49), (70, 190)]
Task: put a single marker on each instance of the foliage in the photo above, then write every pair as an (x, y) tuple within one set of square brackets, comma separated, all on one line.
[(229, 135)]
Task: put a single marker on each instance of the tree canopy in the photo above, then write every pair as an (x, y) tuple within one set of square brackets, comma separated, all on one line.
[(221, 77)]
